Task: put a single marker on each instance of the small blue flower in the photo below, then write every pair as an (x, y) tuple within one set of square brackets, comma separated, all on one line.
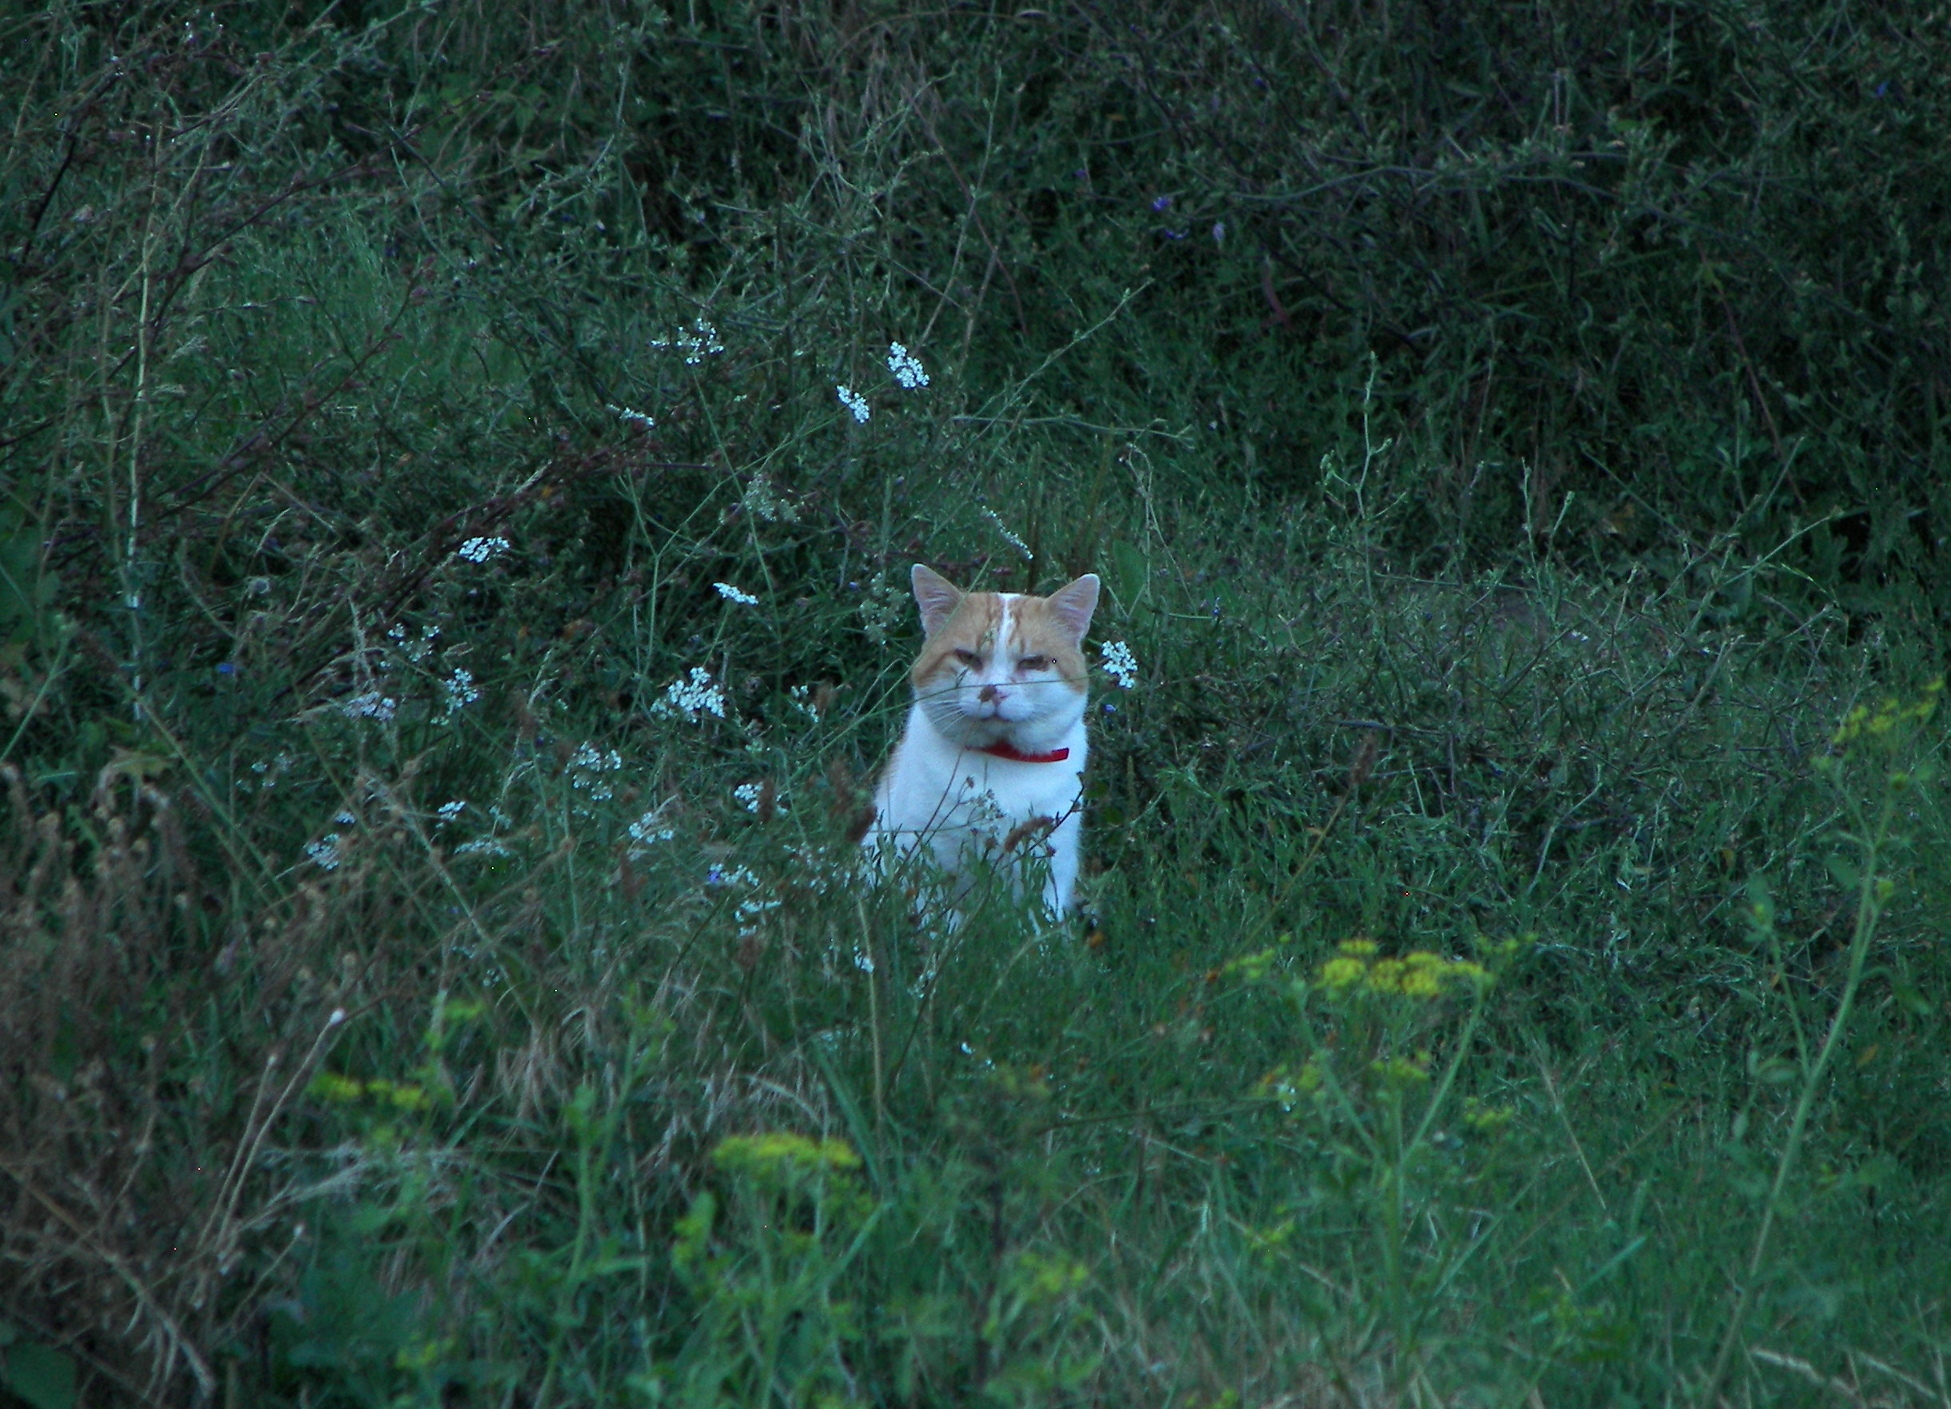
[(228, 667), (1162, 203)]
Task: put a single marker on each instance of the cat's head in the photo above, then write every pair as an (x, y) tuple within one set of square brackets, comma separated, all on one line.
[(1002, 665)]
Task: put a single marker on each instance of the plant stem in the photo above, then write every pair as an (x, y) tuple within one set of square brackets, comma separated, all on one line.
[(1869, 908)]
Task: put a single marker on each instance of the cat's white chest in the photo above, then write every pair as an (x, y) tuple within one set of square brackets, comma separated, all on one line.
[(962, 804)]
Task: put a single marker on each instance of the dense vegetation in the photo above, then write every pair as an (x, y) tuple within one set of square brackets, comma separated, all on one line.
[(459, 488)]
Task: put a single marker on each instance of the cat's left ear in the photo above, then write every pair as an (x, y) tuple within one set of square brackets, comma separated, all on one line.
[(1074, 602)]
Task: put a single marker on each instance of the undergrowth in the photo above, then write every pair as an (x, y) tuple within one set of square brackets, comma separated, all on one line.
[(460, 484)]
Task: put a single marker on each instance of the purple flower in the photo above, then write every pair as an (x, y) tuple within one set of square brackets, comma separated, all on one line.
[(228, 667), (1162, 203)]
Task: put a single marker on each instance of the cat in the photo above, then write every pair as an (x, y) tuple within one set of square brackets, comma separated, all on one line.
[(991, 762)]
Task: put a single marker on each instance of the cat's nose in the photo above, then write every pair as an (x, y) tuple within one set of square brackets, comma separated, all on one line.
[(988, 693)]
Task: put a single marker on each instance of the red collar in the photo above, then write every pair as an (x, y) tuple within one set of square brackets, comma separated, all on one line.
[(1016, 755)]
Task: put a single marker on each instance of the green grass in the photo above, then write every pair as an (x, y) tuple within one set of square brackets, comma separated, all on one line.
[(611, 1086)]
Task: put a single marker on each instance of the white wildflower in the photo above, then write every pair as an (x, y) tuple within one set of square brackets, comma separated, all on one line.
[(640, 418), (696, 342), (345, 819), (1018, 544), (691, 697), (750, 795), (732, 594), (588, 757), (854, 402), (479, 550), (461, 690), (586, 769), (906, 367), (749, 912), (650, 828), (762, 499), (883, 609), (1116, 658), (481, 846), (324, 852), (718, 875), (450, 811), (415, 650), (802, 698), (371, 705), (815, 871)]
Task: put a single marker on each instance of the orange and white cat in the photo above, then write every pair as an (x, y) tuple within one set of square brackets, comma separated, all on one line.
[(991, 763)]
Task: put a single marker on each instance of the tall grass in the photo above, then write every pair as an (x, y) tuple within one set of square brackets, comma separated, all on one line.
[(452, 607)]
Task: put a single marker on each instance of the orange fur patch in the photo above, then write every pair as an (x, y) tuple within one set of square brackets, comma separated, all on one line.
[(1034, 630)]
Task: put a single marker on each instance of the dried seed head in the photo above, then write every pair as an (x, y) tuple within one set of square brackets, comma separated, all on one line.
[(1364, 762)]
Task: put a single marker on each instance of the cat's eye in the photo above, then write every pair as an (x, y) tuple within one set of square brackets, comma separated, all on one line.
[(969, 658), (1035, 663)]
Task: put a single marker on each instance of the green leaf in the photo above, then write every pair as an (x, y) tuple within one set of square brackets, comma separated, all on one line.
[(1846, 871), (1130, 575), (45, 1378), (1761, 905), (1873, 1173), (25, 590), (1909, 999)]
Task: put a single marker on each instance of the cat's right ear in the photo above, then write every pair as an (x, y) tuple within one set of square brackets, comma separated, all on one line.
[(935, 595)]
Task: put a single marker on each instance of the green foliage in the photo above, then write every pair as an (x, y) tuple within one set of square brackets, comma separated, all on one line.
[(450, 601), (34, 1373), (1369, 1104)]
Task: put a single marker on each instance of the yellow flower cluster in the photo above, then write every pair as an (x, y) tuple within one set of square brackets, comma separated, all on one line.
[(1402, 1071), (1882, 725), (1484, 1118), (344, 1090), (1040, 1278), (1418, 975), (775, 1156)]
